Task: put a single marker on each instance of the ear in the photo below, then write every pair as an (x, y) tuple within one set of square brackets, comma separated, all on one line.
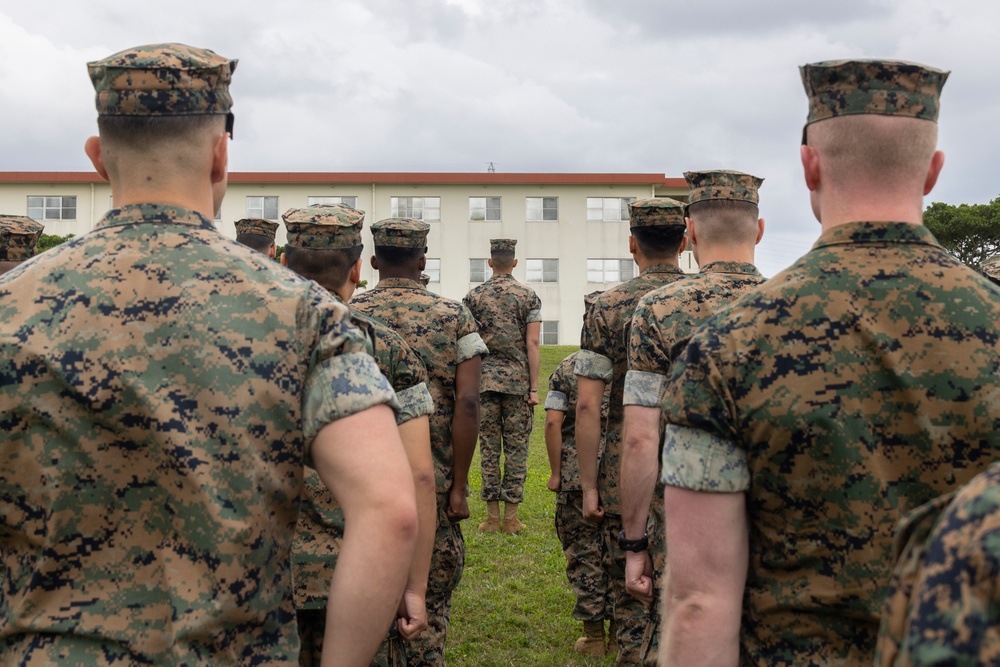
[(760, 230), (284, 259), (92, 147), (489, 263), (423, 261), (220, 158), (373, 262), (810, 166), (354, 275), (632, 246), (692, 235), (937, 162), (273, 250), (514, 264)]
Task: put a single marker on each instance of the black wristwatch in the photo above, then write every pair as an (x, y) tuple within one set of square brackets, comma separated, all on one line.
[(635, 546)]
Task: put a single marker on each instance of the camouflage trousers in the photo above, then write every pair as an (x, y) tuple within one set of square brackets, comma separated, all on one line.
[(505, 425), (631, 615), (658, 554), (447, 565), (312, 626), (581, 542)]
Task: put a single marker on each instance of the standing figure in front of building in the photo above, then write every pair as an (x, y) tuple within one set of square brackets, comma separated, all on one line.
[(443, 332), (657, 237), (161, 387), (804, 421), (18, 240), (258, 234), (510, 318), (723, 230), (324, 244)]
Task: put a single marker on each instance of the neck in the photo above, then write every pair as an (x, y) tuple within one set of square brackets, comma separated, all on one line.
[(385, 272), (644, 262), (860, 204), (705, 256)]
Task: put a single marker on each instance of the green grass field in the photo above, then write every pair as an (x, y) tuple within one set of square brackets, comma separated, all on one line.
[(514, 605)]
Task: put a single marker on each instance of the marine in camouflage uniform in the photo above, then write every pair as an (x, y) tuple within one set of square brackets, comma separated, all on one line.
[(991, 269), (943, 606), (851, 388), (580, 539), (509, 317), (324, 244), (18, 240), (723, 229), (657, 226), (160, 388), (257, 234), (443, 332)]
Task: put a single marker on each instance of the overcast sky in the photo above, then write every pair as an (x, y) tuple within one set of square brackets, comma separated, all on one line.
[(529, 85)]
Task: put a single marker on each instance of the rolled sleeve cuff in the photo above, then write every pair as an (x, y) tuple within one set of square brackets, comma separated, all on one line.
[(643, 388), (593, 365), (469, 346), (700, 461), (535, 315), (556, 400), (416, 402), (342, 386)]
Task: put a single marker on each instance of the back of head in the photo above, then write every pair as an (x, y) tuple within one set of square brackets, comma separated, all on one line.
[(657, 224), (502, 253), (873, 121), (724, 206), (256, 233), (324, 242), (18, 240), (400, 243)]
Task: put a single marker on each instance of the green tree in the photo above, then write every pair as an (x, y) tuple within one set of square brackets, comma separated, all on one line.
[(46, 241), (970, 231)]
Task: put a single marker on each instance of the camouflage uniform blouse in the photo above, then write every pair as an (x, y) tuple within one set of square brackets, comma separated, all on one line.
[(562, 396), (604, 356), (503, 308), (159, 388), (944, 602), (851, 388), (443, 332), (321, 521)]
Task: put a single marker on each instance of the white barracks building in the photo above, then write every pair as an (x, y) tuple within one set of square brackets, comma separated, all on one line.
[(571, 229)]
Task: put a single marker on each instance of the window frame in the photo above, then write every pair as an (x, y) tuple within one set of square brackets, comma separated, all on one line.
[(263, 207), (606, 207), (315, 200), (485, 269), (408, 211), (609, 269), (432, 271), (490, 206), (541, 210), (546, 273), (546, 332), (46, 205)]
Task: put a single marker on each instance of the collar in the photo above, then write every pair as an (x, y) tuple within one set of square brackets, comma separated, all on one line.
[(875, 232), (399, 283), (154, 213), (662, 268), (731, 267)]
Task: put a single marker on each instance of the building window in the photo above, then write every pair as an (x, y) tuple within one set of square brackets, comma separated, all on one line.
[(550, 332), (610, 270), (427, 209), (265, 208), (484, 208), (608, 209), (52, 208), (478, 270), (542, 271), (433, 269), (541, 209), (350, 201)]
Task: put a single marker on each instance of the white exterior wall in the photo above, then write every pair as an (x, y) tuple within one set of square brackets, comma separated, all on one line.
[(454, 240)]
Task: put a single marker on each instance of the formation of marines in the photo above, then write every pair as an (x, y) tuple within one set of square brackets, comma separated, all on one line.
[(732, 456)]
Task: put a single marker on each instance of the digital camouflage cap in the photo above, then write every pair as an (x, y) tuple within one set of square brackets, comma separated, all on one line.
[(18, 237), (991, 268), (162, 80), (722, 184), (882, 87), (324, 226), (256, 226), (401, 233), (656, 212), (502, 245)]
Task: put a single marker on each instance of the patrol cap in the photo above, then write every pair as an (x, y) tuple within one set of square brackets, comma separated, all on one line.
[(18, 237), (882, 87), (324, 226), (401, 233), (162, 80), (991, 268), (656, 212), (256, 226), (722, 184), (502, 245)]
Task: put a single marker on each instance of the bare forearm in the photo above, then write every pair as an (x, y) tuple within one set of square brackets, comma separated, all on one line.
[(588, 429), (553, 441), (534, 363), (416, 441), (699, 631), (639, 467)]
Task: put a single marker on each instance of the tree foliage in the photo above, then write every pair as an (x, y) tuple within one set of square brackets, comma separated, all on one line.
[(970, 231), (46, 241)]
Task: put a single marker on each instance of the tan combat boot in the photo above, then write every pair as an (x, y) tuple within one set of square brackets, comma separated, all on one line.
[(492, 523), (612, 637), (510, 523), (592, 643)]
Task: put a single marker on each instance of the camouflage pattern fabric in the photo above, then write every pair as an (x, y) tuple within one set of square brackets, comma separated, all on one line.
[(505, 422), (605, 338), (991, 268), (630, 614), (661, 326), (148, 503), (18, 237), (722, 184), (856, 388), (581, 543), (324, 226), (312, 628), (503, 308), (944, 603), (257, 226), (883, 87), (162, 80)]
